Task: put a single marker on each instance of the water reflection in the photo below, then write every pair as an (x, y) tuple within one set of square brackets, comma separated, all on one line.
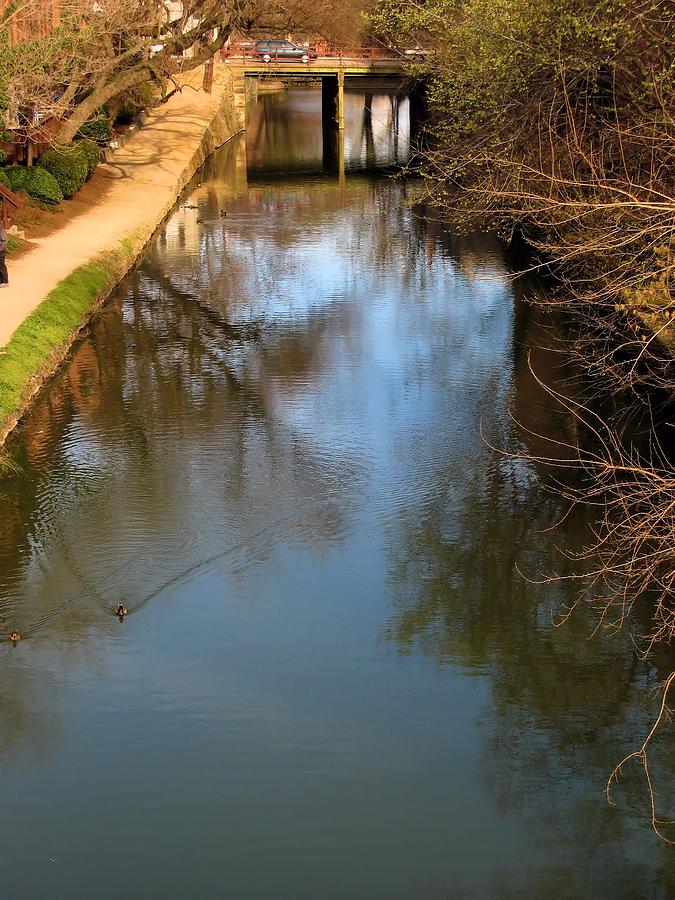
[(332, 679), (285, 134)]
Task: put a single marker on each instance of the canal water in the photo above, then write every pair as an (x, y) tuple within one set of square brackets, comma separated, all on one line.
[(274, 447)]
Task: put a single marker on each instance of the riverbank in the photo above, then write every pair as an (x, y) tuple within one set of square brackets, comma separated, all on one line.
[(56, 286)]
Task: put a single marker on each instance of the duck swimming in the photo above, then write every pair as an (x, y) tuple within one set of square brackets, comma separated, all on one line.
[(121, 611), (15, 636)]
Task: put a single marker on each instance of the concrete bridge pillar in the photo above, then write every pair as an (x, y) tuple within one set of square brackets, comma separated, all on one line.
[(341, 101), (333, 100), (239, 94)]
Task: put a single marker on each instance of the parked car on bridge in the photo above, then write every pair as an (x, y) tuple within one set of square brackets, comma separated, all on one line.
[(242, 48), (268, 50)]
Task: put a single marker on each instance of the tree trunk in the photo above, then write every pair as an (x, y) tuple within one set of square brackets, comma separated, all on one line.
[(130, 78), (86, 109)]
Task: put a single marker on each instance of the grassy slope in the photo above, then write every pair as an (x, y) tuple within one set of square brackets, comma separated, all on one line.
[(42, 339)]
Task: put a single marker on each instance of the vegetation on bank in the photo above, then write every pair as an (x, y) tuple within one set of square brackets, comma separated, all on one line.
[(60, 172), (44, 337), (72, 165), (556, 118), (559, 117), (13, 245)]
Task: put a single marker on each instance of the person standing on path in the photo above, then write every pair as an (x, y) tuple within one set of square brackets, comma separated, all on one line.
[(4, 277)]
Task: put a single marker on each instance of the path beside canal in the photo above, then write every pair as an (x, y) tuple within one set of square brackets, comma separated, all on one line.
[(147, 174)]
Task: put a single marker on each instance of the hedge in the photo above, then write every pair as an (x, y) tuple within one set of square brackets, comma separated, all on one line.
[(92, 154), (60, 172), (16, 177), (35, 181), (68, 165), (42, 185)]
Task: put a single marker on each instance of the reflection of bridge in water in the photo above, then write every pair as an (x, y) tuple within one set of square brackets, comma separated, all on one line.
[(364, 69)]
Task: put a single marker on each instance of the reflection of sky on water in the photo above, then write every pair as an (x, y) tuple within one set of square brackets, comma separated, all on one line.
[(263, 266)]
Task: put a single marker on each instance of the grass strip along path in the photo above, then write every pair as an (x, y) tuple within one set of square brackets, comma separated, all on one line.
[(39, 344)]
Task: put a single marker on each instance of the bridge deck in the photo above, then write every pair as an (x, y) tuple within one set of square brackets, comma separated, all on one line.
[(350, 67)]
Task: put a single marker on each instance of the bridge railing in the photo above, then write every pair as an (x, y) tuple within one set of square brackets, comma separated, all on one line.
[(246, 50)]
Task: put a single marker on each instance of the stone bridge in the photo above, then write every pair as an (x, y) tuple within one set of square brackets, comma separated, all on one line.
[(333, 70)]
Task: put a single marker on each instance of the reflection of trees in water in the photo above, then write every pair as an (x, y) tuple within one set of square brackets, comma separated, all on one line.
[(561, 708), (276, 244), (561, 704), (177, 366), (182, 464), (167, 441), (169, 428)]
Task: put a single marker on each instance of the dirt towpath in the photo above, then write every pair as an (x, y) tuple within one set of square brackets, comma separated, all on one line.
[(146, 174)]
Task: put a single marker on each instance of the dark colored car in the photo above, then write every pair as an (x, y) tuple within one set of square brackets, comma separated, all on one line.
[(268, 50)]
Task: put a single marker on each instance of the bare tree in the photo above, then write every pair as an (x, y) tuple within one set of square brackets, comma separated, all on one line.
[(66, 59), (96, 51)]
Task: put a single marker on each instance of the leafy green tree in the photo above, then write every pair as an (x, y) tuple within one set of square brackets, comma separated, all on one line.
[(557, 116)]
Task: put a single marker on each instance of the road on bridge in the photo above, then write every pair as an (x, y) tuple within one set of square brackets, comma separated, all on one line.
[(360, 61)]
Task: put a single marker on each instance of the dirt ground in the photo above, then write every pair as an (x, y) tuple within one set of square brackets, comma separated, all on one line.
[(40, 220)]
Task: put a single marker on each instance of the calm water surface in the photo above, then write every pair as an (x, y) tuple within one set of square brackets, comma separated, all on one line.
[(333, 682)]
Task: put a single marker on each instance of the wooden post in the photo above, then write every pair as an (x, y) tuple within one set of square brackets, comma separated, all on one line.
[(207, 83), (341, 100)]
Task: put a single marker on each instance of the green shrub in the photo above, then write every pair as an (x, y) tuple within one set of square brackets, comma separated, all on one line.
[(92, 154), (16, 177), (98, 128), (35, 181), (42, 185), (69, 167)]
